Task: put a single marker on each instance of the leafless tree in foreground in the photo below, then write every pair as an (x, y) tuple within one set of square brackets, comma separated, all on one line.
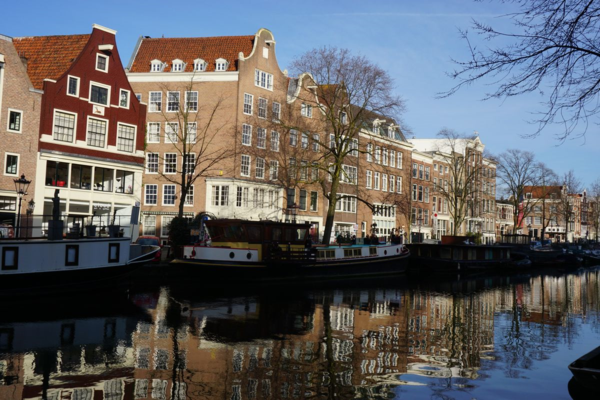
[(553, 50)]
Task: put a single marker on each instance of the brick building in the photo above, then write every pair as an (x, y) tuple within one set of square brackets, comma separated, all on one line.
[(19, 126), (91, 130)]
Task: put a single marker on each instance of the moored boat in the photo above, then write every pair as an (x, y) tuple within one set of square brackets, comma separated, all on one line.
[(42, 266), (586, 370), (241, 250)]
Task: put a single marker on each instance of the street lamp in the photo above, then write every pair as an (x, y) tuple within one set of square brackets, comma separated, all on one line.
[(21, 186)]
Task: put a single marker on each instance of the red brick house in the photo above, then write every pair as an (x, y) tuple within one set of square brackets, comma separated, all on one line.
[(92, 127)]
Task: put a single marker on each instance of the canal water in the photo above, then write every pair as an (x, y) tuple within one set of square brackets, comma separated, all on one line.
[(480, 338)]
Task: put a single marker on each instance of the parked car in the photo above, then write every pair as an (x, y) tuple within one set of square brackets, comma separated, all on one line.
[(150, 241)]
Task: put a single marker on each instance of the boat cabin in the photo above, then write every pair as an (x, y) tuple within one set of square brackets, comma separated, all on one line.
[(231, 231)]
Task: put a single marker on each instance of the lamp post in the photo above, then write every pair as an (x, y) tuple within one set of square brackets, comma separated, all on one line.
[(21, 186), (30, 208)]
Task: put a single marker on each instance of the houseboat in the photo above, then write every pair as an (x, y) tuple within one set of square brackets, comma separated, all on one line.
[(458, 255), (242, 250), (43, 266)]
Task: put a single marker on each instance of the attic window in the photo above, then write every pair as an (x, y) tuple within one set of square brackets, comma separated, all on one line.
[(391, 131), (528, 195), (156, 66), (101, 63), (222, 64), (199, 65), (178, 66)]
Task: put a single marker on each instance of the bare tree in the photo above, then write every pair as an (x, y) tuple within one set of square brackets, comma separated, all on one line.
[(462, 189), (349, 91), (515, 170), (552, 50), (544, 199), (193, 130)]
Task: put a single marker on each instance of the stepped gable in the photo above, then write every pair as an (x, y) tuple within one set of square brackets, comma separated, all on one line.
[(189, 49), (49, 57)]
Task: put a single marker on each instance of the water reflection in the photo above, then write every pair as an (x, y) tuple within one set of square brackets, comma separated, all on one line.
[(484, 338)]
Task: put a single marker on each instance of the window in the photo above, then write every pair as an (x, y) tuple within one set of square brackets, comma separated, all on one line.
[(101, 63), (124, 180), (152, 163), (293, 137), (313, 201), (191, 132), (11, 164), (199, 65), (165, 224), (349, 175), (151, 194), (149, 228), (125, 138), (306, 110), (262, 108), (315, 143), (168, 195), (273, 168), (99, 94), (399, 160), (414, 193), (156, 66), (369, 152), (346, 203), (245, 166), (426, 195), (303, 170), (221, 64), (260, 168), (392, 158), (263, 79), (274, 141), (276, 111), (376, 181), (155, 102), (246, 135), (178, 66), (172, 101), (220, 195), (384, 182), (124, 98), (248, 99), (191, 101), (73, 86), (303, 200), (427, 171), (420, 171), (415, 170), (377, 155), (315, 171), (420, 193), (171, 132), (261, 138), (170, 165), (189, 163), (96, 132), (343, 118), (385, 157), (304, 141), (354, 147), (14, 120), (242, 197), (64, 126), (369, 183), (392, 183), (399, 184), (331, 141)]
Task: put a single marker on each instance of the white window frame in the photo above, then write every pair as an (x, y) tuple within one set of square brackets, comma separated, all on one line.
[(156, 66), (293, 137), (315, 142), (306, 110), (384, 182), (74, 125), (164, 194), (106, 58), (263, 79), (276, 111), (189, 197), (191, 132), (399, 184), (262, 108), (221, 65), (169, 164), (20, 112), (261, 138), (148, 163), (376, 180), (245, 165), (191, 109), (248, 104), (275, 141), (188, 163), (146, 187), (152, 104), (165, 221), (134, 136), (128, 93), (146, 225), (87, 131), (200, 65), (69, 77), (246, 135), (149, 136), (369, 182), (177, 65), (259, 170), (171, 132), (304, 140), (369, 152), (6, 155), (273, 170), (176, 105), (100, 85)]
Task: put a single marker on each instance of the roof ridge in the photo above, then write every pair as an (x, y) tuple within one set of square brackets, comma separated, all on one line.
[(52, 36), (199, 37)]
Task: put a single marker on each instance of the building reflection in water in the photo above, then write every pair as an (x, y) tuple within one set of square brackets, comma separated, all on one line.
[(368, 343)]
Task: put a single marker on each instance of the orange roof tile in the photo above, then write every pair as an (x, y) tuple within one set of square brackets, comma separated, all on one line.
[(538, 192), (188, 49), (48, 57)]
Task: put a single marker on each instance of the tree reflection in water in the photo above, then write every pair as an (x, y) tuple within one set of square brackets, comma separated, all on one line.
[(480, 338)]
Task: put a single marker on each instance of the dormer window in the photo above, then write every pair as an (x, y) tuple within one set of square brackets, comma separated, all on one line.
[(156, 66), (200, 65), (221, 64), (391, 131), (101, 62), (178, 66)]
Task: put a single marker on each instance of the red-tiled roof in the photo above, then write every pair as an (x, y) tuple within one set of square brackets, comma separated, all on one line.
[(539, 192), (48, 57), (188, 49)]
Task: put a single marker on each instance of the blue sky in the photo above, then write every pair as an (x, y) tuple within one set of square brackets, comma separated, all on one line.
[(413, 40)]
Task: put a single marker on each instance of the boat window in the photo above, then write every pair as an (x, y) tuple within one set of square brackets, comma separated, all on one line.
[(372, 251), (301, 234), (216, 233), (276, 234), (235, 233), (254, 233)]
